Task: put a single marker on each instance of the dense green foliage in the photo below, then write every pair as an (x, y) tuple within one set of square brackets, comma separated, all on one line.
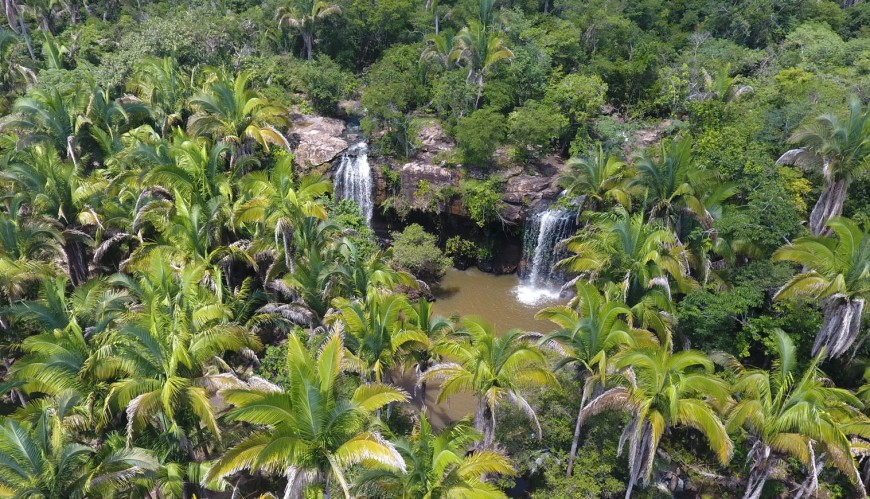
[(185, 311)]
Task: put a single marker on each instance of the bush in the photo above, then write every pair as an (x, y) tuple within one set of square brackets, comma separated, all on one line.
[(462, 251), (324, 82), (537, 127), (415, 250), (482, 199), (479, 134)]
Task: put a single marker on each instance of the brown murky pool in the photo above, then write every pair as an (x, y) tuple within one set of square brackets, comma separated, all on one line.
[(499, 299)]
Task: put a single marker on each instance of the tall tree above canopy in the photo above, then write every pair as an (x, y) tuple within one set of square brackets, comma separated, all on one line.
[(588, 336), (480, 48), (840, 150), (836, 271), (229, 110), (666, 390), (493, 368), (304, 16)]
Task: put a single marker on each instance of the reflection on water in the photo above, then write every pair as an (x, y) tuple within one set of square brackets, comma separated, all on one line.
[(497, 299)]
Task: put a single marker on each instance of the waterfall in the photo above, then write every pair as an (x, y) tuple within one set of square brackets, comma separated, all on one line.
[(353, 180), (542, 236)]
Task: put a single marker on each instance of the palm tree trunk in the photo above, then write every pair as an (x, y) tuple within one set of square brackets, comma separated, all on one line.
[(24, 32), (759, 472), (576, 441), (479, 89), (75, 258), (308, 40), (484, 422), (841, 325), (640, 454), (829, 205)]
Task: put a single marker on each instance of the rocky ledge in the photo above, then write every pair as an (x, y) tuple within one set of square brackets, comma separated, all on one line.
[(427, 182), (316, 140)]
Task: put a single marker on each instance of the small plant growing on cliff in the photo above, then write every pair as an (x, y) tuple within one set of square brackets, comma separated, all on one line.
[(462, 251), (392, 178), (415, 250), (482, 200)]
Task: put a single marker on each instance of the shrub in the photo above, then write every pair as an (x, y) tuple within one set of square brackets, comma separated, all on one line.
[(478, 135), (536, 126), (415, 250), (482, 199), (324, 82), (462, 251)]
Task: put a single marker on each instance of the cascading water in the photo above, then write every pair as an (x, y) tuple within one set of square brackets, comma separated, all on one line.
[(542, 236), (353, 179)]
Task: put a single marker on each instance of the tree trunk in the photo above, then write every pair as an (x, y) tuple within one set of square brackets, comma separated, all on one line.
[(24, 33), (841, 325), (75, 258), (576, 441), (436, 22), (640, 455), (829, 205), (479, 89), (760, 454), (484, 422), (308, 40)]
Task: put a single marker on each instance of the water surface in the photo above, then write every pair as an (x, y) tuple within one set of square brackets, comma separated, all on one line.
[(501, 300)]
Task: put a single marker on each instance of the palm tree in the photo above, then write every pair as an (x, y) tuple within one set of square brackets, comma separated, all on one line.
[(361, 274), (586, 338), (45, 117), (40, 460), (167, 348), (837, 272), (28, 248), (440, 48), (481, 48), (492, 368), (597, 178), (304, 16), (377, 333), (230, 111), (788, 415), (840, 149), (56, 189), (665, 390), (675, 184), (435, 329), (163, 86), (639, 258), (438, 466), (278, 206), (311, 432)]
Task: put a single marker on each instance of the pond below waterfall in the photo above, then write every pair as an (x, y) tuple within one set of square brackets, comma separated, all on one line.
[(502, 301)]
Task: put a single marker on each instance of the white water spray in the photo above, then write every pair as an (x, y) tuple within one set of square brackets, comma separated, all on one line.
[(541, 252), (353, 180)]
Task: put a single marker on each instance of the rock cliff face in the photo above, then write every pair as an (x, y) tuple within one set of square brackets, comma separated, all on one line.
[(426, 181), (316, 140)]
